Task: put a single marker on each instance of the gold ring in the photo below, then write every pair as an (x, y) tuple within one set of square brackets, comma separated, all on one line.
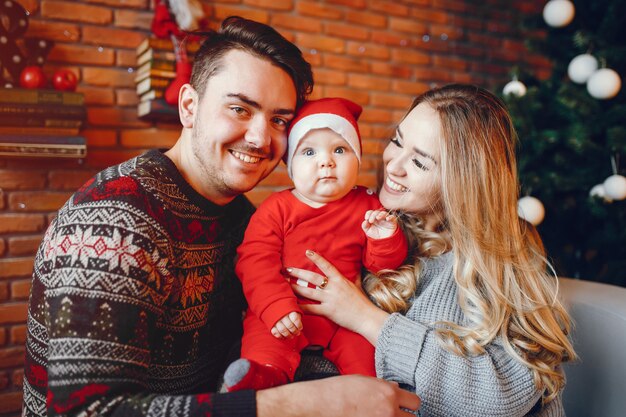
[(324, 283)]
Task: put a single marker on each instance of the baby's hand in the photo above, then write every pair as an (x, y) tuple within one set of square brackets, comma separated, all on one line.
[(379, 224), (289, 326)]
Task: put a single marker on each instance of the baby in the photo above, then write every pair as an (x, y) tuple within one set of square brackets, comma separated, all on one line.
[(325, 212)]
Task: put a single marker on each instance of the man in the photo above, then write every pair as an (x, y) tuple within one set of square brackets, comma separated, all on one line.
[(134, 304)]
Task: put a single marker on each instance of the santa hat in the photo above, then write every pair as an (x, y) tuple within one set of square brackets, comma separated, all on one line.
[(338, 114)]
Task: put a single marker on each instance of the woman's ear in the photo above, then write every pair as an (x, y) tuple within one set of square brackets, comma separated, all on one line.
[(187, 105)]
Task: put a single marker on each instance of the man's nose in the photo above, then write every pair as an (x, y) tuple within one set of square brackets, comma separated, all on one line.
[(258, 133)]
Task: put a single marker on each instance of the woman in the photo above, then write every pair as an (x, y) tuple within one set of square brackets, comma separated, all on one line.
[(472, 323)]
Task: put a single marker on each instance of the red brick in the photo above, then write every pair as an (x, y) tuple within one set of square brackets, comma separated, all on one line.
[(126, 58), (2, 200), (384, 37), (3, 341), (37, 200), (54, 31), (18, 334), (112, 37), (311, 8), (410, 87), (373, 115), (357, 4), (451, 63), (312, 57), (126, 97), (11, 357), (12, 313), (108, 77), (97, 95), (271, 4), (24, 245), (20, 289), (11, 402), (460, 6), (367, 179), (368, 82), (100, 137), (433, 16), (31, 6), (369, 50), (396, 71), (223, 12), (346, 63), (358, 96), (4, 291), (17, 377), (432, 74), (16, 267), (373, 147), (330, 77), (376, 20), (21, 180), (389, 8), (320, 43), (288, 21), (409, 56), (79, 54), (17, 223), (3, 246), (346, 31), (106, 158), (69, 180), (113, 116), (149, 138), (407, 25), (137, 4), (74, 11), (446, 32), (391, 100), (133, 19)]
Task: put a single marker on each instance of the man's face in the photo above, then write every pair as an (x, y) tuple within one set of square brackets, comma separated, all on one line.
[(239, 127)]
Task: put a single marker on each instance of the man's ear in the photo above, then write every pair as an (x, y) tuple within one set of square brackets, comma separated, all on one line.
[(187, 105)]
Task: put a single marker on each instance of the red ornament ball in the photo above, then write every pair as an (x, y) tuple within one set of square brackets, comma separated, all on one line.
[(32, 76), (64, 80)]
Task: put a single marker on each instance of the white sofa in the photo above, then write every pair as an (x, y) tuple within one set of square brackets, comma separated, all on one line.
[(596, 384)]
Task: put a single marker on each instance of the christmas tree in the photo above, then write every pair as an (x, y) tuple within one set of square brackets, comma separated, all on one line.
[(571, 141)]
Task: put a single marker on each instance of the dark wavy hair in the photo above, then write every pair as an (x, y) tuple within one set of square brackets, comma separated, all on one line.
[(257, 39)]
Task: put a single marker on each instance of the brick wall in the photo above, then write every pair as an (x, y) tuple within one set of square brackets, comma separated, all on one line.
[(377, 53)]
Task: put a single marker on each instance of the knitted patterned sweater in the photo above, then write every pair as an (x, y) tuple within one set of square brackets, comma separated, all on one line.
[(491, 384), (135, 304)]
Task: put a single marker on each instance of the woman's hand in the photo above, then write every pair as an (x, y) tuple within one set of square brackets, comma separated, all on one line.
[(339, 299)]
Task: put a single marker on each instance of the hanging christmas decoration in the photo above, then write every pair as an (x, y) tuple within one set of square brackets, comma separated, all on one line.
[(598, 191), (582, 67), (514, 87), (558, 13), (615, 187), (531, 209), (604, 84)]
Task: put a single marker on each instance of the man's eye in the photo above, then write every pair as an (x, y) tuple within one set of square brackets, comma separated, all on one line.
[(238, 110), (280, 122)]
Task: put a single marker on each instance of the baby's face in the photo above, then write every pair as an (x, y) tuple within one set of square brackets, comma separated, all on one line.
[(324, 167)]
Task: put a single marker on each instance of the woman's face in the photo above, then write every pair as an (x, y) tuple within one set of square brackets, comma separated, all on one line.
[(412, 181)]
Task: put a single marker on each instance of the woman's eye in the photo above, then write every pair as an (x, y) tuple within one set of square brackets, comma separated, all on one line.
[(420, 165), (395, 141)]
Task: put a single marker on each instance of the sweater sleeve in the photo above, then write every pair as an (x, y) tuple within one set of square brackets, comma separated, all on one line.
[(260, 264), (99, 340), (387, 253), (492, 383)]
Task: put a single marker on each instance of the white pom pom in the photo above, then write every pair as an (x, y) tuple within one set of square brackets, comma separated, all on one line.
[(558, 13), (514, 87), (530, 209), (599, 192), (582, 67), (604, 84), (615, 187)]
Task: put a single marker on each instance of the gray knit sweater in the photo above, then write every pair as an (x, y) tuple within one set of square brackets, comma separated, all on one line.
[(491, 384)]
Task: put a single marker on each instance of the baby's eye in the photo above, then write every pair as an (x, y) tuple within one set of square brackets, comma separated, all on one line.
[(340, 149), (308, 152)]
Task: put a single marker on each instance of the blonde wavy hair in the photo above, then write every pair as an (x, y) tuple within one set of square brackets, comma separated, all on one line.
[(504, 285)]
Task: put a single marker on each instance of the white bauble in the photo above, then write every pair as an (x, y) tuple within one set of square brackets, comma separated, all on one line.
[(599, 192), (514, 87), (530, 209), (615, 187), (582, 67), (558, 13), (604, 84)]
